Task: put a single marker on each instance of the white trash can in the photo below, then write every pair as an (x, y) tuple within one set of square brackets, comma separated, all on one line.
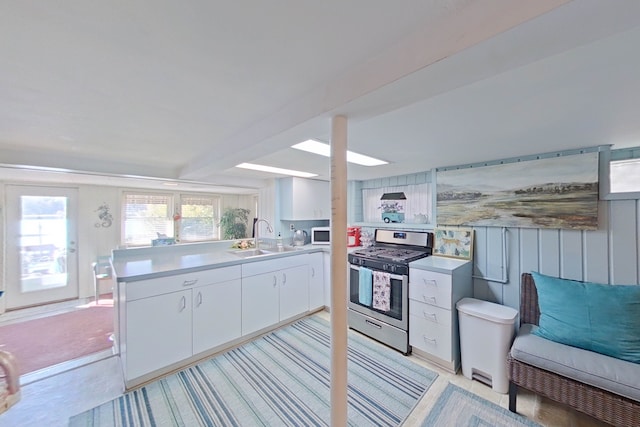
[(486, 333)]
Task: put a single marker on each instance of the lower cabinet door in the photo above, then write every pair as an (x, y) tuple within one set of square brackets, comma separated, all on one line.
[(158, 332), (316, 281), (294, 291), (260, 302), (216, 314)]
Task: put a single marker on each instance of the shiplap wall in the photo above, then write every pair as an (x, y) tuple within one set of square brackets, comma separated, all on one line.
[(607, 255)]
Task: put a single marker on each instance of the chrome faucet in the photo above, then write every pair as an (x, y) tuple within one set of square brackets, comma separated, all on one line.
[(256, 241)]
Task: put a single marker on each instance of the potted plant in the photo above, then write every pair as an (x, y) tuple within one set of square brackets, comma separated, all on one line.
[(234, 223)]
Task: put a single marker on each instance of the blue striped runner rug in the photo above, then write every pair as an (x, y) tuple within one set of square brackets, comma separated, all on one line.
[(280, 379)]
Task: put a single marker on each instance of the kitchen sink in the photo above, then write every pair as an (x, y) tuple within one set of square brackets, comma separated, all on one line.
[(250, 253), (281, 249)]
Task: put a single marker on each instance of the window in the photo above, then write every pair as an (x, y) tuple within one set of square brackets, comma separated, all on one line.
[(625, 176), (620, 174), (199, 218), (146, 216)]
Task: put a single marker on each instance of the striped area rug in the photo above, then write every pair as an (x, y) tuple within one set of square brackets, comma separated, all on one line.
[(459, 407), (280, 379)]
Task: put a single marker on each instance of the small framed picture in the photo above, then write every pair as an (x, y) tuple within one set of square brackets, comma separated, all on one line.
[(454, 242)]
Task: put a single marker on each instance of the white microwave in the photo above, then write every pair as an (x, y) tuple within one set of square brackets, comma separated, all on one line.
[(321, 235)]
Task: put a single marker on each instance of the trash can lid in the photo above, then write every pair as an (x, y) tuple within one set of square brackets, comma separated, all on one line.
[(487, 310)]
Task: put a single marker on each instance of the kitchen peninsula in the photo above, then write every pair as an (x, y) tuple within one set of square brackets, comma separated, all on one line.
[(175, 305)]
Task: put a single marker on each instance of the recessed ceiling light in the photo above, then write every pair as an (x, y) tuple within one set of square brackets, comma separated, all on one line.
[(271, 169), (317, 147)]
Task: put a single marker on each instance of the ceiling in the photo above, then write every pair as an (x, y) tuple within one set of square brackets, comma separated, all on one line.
[(184, 91)]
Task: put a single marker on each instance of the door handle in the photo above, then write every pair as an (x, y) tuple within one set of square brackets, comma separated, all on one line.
[(183, 303), (313, 272), (375, 325), (428, 340), (430, 316), (429, 299), (199, 300), (284, 278)]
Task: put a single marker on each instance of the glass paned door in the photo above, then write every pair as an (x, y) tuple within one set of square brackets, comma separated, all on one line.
[(41, 245)]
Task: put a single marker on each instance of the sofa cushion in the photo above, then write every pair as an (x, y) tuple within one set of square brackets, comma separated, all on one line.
[(593, 316), (608, 373)]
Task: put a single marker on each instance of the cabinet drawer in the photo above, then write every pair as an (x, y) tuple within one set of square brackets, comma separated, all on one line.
[(177, 282), (430, 313), (430, 337), (432, 288), (260, 267)]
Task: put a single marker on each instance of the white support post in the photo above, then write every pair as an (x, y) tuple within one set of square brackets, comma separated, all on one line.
[(339, 271)]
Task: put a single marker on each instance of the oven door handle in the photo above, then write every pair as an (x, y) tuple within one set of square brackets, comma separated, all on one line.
[(393, 276)]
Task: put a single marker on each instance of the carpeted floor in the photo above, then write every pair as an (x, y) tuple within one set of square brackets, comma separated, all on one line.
[(458, 407), (47, 341), (279, 379)]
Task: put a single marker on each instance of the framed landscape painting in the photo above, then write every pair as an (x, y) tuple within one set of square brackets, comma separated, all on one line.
[(556, 192)]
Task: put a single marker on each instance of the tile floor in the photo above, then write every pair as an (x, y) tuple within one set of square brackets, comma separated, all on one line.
[(52, 396)]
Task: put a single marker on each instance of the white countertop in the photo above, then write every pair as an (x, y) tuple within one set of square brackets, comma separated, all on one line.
[(439, 263), (152, 262)]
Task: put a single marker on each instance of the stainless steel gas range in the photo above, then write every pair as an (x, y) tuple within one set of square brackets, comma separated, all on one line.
[(378, 303)]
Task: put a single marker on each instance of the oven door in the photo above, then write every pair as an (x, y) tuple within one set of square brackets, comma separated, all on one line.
[(398, 314)]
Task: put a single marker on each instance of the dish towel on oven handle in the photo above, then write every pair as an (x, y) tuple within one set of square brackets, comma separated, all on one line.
[(365, 288), (381, 291)]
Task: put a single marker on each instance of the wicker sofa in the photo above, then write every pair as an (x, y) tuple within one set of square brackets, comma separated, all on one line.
[(588, 392)]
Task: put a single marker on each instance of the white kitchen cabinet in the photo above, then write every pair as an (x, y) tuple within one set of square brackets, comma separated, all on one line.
[(216, 314), (260, 302), (158, 332), (273, 291), (169, 319), (435, 285), (304, 199), (294, 291), (326, 258), (316, 280)]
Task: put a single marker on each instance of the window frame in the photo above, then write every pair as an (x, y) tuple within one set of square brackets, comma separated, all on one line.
[(150, 193), (606, 158), (217, 202)]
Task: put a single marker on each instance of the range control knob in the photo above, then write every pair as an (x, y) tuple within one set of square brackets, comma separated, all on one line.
[(389, 267)]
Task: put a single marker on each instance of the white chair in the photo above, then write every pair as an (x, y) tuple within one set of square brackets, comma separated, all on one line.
[(101, 271)]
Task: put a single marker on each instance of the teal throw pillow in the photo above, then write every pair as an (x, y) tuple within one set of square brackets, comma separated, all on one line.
[(593, 316)]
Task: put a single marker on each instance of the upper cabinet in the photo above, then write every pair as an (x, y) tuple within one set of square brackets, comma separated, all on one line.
[(304, 199)]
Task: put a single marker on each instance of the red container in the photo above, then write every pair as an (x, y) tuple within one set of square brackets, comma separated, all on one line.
[(353, 236)]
